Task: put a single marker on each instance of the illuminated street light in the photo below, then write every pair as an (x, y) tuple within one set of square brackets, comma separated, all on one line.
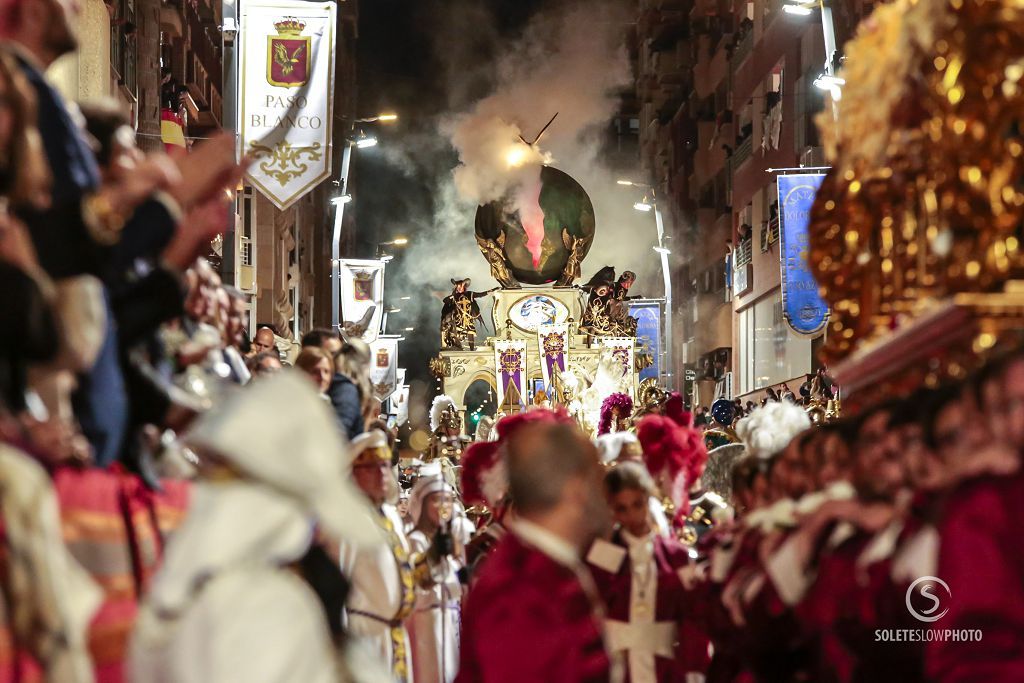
[(341, 199), (366, 142), (828, 82), (384, 117), (648, 204), (800, 10)]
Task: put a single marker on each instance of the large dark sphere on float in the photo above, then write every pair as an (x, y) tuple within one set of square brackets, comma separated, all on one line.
[(536, 223)]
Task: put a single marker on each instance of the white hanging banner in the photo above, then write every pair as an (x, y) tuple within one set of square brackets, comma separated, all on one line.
[(362, 297), (384, 366), (286, 102), (510, 369), (623, 348), (400, 404)]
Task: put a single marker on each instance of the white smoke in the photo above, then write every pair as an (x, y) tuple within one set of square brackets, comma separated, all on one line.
[(571, 58)]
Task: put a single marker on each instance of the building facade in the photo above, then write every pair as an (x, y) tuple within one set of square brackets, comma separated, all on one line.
[(163, 60), (727, 92)]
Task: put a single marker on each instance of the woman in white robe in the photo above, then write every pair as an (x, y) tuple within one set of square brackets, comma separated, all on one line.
[(434, 624)]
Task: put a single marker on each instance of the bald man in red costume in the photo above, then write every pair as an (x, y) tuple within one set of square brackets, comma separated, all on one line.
[(534, 614)]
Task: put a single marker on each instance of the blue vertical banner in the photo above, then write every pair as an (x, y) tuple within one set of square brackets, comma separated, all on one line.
[(648, 334), (802, 306)]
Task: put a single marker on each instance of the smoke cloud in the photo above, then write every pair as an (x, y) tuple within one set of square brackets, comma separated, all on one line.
[(570, 58)]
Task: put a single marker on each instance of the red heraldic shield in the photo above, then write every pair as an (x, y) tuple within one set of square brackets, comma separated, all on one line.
[(288, 55)]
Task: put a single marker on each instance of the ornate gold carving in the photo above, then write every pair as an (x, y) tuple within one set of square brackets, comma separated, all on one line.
[(285, 162), (440, 367)]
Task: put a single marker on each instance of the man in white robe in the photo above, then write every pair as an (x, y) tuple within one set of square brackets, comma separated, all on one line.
[(384, 578), (228, 604)]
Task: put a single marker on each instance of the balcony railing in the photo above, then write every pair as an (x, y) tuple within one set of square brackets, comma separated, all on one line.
[(743, 152), (743, 50)]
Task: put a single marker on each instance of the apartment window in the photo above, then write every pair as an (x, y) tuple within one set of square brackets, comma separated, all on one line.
[(123, 51), (769, 351)]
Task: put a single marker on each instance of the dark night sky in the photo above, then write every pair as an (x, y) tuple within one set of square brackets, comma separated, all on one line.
[(405, 52)]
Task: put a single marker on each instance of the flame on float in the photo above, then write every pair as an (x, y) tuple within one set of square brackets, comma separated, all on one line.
[(517, 156), (531, 215)]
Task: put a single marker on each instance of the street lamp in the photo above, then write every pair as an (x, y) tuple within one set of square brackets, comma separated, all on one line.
[(646, 205), (828, 80), (397, 242), (360, 141), (387, 117)]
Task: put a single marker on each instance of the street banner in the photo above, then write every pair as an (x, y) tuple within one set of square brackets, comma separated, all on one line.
[(510, 361), (802, 306), (648, 335), (623, 349), (384, 366), (553, 346), (286, 95), (400, 404), (362, 297)]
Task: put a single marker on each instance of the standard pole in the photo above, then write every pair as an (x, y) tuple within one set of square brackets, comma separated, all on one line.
[(339, 214), (229, 119)]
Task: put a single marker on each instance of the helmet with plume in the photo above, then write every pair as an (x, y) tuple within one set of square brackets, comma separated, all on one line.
[(619, 401), (441, 412), (768, 429), (674, 453)]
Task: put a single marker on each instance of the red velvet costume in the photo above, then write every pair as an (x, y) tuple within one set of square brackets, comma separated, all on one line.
[(673, 605), (981, 558), (528, 618)]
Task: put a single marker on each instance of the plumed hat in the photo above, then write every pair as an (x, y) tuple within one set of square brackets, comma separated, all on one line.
[(441, 404), (768, 429), (621, 401), (672, 452)]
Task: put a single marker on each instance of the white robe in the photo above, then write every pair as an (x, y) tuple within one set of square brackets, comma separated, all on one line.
[(224, 608), (376, 588), (248, 624), (435, 623)]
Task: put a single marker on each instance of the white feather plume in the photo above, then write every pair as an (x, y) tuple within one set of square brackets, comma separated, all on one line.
[(768, 429), (441, 403)]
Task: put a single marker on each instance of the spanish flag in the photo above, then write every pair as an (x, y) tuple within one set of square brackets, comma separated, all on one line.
[(172, 130)]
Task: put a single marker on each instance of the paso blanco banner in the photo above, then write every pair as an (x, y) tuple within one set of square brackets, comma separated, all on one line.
[(384, 366), (362, 297), (286, 106)]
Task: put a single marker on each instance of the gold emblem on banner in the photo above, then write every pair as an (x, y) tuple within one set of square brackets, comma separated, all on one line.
[(362, 285), (285, 162), (288, 55)]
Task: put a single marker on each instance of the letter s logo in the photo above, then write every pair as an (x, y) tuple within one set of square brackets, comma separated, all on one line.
[(927, 587)]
